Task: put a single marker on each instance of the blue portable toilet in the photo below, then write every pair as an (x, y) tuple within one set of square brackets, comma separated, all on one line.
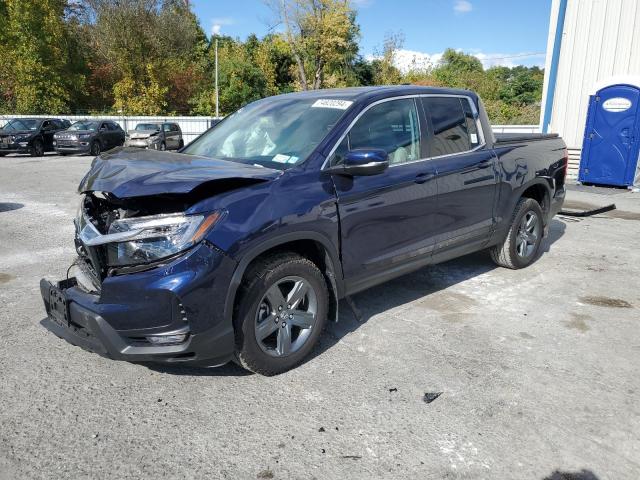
[(612, 135)]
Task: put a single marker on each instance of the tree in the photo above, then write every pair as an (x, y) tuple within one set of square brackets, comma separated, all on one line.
[(39, 73), (384, 70), (322, 35)]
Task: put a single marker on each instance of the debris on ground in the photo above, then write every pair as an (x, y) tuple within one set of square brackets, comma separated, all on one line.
[(352, 457), (265, 474), (431, 396), (321, 429), (394, 389), (588, 213)]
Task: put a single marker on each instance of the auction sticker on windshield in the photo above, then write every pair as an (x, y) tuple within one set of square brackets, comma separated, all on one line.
[(329, 103)]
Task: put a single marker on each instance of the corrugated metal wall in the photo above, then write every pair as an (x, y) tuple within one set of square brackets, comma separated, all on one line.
[(601, 39)]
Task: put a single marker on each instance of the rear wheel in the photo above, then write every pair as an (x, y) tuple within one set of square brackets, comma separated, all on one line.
[(37, 149), (521, 246), (163, 146), (281, 313), (181, 144)]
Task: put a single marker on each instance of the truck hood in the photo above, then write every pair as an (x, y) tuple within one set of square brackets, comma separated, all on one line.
[(130, 172)]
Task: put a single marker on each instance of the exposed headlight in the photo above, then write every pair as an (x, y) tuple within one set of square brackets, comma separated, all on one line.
[(153, 139), (134, 241)]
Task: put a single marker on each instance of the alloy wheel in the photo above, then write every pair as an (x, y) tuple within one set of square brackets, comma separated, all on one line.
[(286, 316), (528, 234)]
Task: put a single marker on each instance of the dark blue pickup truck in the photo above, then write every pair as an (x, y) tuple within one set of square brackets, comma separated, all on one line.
[(240, 246)]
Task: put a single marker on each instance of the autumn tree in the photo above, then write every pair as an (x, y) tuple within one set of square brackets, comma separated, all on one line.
[(38, 73), (322, 35)]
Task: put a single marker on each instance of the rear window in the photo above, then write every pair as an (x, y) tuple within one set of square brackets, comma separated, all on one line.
[(454, 127)]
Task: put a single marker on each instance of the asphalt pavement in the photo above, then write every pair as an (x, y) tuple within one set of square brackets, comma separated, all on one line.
[(461, 370)]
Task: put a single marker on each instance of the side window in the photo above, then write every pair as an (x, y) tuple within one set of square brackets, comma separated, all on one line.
[(104, 125), (166, 127), (341, 151), (391, 126), (174, 127), (46, 125), (449, 123)]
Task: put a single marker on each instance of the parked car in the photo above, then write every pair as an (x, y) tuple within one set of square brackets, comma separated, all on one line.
[(30, 135), (240, 246), (157, 136), (89, 136)]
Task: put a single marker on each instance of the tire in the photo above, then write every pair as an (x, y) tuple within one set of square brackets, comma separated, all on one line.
[(95, 148), (181, 144), (271, 340), (520, 247), (163, 147), (37, 148)]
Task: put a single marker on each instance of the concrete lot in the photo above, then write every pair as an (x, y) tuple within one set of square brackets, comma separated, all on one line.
[(538, 368)]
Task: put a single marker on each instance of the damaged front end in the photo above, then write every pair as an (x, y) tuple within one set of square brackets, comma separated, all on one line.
[(147, 284), (115, 236)]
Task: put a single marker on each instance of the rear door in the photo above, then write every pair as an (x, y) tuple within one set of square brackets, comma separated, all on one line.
[(386, 219), (466, 175), (48, 129)]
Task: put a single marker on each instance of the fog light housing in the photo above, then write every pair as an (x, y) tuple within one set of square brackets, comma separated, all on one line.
[(168, 339)]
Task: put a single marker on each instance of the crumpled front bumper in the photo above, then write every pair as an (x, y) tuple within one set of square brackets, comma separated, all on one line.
[(187, 294)]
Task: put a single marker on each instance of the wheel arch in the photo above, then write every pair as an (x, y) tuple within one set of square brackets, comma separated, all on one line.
[(311, 245)]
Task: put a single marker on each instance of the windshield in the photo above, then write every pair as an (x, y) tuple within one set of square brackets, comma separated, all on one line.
[(277, 132), (148, 126), (84, 125), (22, 124)]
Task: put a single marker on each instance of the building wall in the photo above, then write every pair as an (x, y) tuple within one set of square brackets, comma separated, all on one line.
[(600, 40)]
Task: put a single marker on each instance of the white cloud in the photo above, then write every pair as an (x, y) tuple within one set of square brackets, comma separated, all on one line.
[(406, 60), (462, 6), (218, 23)]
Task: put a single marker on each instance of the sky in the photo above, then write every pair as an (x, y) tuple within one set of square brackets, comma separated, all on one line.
[(498, 32)]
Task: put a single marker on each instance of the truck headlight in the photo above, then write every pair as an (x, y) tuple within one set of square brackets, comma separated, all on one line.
[(153, 238)]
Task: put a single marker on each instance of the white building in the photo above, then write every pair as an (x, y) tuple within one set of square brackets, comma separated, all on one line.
[(592, 44)]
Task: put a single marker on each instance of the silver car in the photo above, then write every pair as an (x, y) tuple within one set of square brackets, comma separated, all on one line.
[(156, 136)]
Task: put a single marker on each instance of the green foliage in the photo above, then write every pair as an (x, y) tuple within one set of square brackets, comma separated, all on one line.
[(151, 57), (38, 73), (510, 95)]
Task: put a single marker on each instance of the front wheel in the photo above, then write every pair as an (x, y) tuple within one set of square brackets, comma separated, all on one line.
[(521, 246), (37, 149), (282, 310)]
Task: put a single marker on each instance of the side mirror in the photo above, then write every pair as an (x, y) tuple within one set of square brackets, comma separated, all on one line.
[(362, 161)]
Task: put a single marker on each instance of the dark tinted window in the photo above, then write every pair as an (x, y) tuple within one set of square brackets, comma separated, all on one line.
[(166, 127), (113, 126), (450, 134), (391, 126), (175, 127)]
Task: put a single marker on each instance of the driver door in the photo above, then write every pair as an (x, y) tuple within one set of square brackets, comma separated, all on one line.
[(386, 219)]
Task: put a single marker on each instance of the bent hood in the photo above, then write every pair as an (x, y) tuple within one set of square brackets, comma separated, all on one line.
[(129, 172)]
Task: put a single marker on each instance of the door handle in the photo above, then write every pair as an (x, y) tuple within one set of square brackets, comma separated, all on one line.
[(424, 177), (485, 164)]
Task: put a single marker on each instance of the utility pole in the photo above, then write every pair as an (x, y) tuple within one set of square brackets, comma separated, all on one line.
[(217, 97)]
